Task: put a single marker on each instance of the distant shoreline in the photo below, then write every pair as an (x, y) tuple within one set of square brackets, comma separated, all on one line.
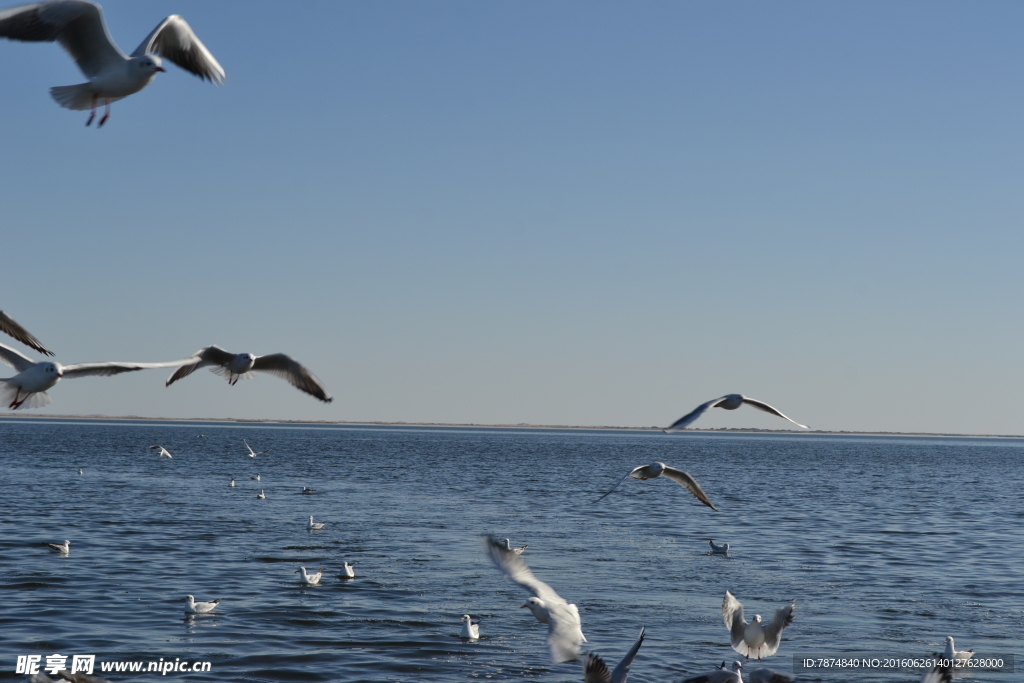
[(521, 425)]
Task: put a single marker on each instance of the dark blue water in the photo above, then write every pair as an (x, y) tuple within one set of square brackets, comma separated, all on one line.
[(887, 544)]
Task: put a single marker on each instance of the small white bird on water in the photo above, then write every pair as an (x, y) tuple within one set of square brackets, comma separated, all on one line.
[(62, 548), (720, 675), (595, 670), (348, 570), (232, 482), (13, 329), (517, 551), (308, 492), (310, 579), (753, 639), (470, 631), (261, 495), (252, 453), (164, 453), (80, 471), (729, 402), (950, 652), (658, 469), (565, 633), (718, 548), (199, 606), (256, 477), (236, 366), (80, 29), (315, 525), (28, 388)]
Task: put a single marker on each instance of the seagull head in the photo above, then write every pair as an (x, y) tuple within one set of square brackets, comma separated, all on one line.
[(149, 64), (757, 618), (736, 666), (53, 369), (465, 617)]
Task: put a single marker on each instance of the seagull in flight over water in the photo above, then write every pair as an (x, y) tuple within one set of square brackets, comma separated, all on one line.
[(658, 469), (252, 453), (753, 639), (729, 402), (595, 670), (164, 453), (236, 366), (13, 329), (79, 27)]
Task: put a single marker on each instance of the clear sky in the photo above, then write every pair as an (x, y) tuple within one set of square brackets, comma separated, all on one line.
[(556, 213)]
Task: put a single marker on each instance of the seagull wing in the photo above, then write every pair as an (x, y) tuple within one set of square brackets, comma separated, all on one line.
[(622, 669), (77, 25), (107, 369), (290, 370), (564, 632), (766, 675), (595, 670), (620, 481), (174, 40), (15, 359), (211, 355), (732, 614), (938, 674), (773, 632), (690, 483), (9, 327), (685, 420), (761, 405)]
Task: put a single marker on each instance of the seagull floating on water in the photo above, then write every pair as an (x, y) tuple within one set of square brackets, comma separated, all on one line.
[(310, 579), (658, 469), (517, 551), (252, 453), (28, 387), (348, 570), (470, 631), (62, 548), (80, 471), (718, 548), (315, 525), (720, 675), (729, 402), (236, 366), (13, 329), (753, 639), (203, 436), (261, 495), (256, 477), (563, 619), (308, 492), (951, 653), (80, 29), (199, 606), (232, 482), (595, 670), (164, 453)]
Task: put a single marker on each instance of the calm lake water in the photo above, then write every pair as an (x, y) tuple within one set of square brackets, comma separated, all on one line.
[(888, 545)]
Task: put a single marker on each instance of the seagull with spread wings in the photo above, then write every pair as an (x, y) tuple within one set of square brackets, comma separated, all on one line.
[(728, 402), (658, 469), (13, 329), (596, 671), (236, 366), (79, 27), (28, 388), (753, 639), (565, 634)]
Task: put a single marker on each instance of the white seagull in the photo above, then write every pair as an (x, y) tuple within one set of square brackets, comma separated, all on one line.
[(232, 482), (261, 495), (718, 548), (470, 631), (13, 329), (236, 366), (950, 652), (80, 471), (252, 453), (595, 670), (62, 548), (517, 551), (658, 469), (28, 387), (563, 619), (754, 640), (199, 606), (255, 477), (310, 579), (729, 402), (720, 675), (315, 525), (80, 29), (349, 571), (164, 453)]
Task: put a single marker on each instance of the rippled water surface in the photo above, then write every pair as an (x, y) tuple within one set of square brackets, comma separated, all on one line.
[(887, 544)]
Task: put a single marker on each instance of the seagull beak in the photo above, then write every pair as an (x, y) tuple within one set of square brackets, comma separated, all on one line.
[(522, 606), (161, 69)]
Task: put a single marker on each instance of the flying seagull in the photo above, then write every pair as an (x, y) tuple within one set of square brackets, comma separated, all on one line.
[(252, 453), (753, 639), (28, 387), (79, 27), (563, 619), (13, 329), (595, 670), (164, 453), (657, 469), (236, 366), (199, 606), (470, 630), (729, 402)]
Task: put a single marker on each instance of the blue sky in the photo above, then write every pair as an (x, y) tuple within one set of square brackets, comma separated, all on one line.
[(555, 213)]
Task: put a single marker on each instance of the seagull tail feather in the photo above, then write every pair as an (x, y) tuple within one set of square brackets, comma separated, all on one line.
[(77, 97)]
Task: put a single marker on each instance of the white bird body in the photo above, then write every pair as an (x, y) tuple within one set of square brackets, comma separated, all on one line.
[(236, 366), (752, 639), (62, 548), (728, 402), (315, 525), (10, 327), (79, 27), (164, 453), (565, 633), (951, 653), (517, 551), (255, 477), (80, 471), (718, 548), (595, 670), (261, 495), (348, 570), (470, 630), (658, 469), (232, 483), (310, 579), (252, 453), (720, 675), (199, 606)]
